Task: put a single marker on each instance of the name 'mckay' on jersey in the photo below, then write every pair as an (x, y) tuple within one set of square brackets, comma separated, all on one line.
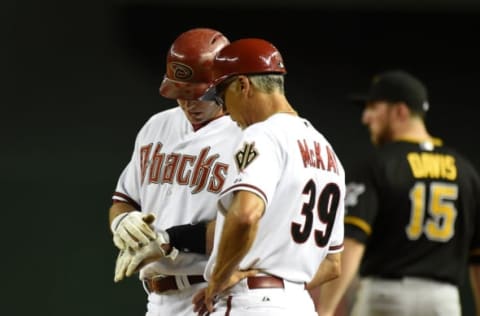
[(313, 157)]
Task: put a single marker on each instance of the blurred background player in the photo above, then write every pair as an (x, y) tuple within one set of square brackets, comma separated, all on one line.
[(282, 218), (413, 212), (181, 161)]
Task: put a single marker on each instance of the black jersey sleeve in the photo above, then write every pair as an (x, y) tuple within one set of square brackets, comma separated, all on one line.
[(361, 202), (474, 257)]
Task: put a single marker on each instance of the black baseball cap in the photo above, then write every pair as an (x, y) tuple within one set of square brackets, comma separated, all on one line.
[(396, 86)]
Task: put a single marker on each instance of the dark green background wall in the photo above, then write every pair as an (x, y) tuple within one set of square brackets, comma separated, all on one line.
[(82, 78)]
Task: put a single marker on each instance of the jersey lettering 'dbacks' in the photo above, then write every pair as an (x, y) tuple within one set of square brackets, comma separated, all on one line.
[(177, 174)]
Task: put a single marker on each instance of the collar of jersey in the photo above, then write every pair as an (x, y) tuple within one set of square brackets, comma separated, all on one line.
[(196, 127), (434, 140)]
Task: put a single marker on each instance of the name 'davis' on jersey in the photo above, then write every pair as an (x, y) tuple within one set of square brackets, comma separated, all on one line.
[(312, 156), (198, 171), (432, 165)]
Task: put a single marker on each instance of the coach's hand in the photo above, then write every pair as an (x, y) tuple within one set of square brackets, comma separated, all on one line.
[(132, 230), (204, 299)]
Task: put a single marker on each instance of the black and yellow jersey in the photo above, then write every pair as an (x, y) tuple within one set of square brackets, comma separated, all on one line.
[(416, 207)]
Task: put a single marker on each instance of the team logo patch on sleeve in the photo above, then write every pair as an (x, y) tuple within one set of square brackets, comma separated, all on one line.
[(354, 190), (246, 155)]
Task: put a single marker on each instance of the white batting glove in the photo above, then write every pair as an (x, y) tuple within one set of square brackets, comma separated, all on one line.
[(130, 261), (123, 260), (132, 230), (151, 252)]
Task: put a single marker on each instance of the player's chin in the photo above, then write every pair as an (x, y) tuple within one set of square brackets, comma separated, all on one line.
[(197, 119), (239, 124)]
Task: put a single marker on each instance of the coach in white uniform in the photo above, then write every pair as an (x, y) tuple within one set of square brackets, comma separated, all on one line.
[(282, 217), (181, 162)]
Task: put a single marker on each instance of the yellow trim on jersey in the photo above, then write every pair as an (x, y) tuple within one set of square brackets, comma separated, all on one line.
[(360, 223), (435, 141)]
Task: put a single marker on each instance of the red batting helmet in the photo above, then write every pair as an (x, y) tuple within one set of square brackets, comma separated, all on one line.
[(189, 63), (245, 57)]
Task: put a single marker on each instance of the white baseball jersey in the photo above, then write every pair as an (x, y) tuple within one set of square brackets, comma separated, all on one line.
[(177, 174), (294, 169)]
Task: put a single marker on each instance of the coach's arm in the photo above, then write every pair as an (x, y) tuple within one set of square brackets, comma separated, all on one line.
[(329, 269)]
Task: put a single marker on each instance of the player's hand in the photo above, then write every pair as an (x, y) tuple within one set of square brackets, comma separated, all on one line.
[(123, 260), (204, 300), (153, 251), (132, 230)]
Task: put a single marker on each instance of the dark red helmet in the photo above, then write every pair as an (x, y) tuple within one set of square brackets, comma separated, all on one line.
[(189, 63), (245, 57)]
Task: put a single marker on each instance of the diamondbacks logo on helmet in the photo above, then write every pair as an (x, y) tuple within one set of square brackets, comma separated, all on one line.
[(181, 71), (246, 155)]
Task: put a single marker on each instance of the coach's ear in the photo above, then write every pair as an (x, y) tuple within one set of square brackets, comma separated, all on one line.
[(244, 86)]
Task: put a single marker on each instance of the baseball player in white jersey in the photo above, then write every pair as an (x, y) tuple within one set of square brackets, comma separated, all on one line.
[(282, 217), (169, 190)]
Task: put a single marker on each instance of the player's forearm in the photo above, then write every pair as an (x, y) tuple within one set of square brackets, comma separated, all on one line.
[(197, 238), (119, 208), (332, 292)]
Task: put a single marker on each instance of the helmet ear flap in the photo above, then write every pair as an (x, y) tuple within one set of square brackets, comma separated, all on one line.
[(189, 61)]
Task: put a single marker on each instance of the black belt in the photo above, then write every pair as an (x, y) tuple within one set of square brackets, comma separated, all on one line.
[(168, 283)]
